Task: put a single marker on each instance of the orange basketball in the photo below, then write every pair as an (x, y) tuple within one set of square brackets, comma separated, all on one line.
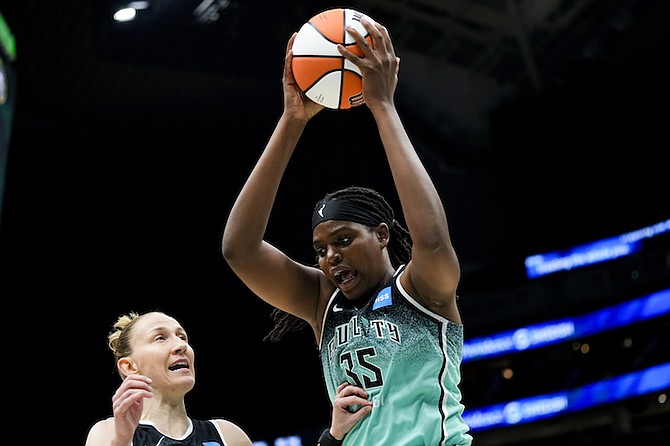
[(319, 69)]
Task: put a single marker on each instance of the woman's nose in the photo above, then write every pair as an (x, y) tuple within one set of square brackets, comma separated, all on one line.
[(180, 346), (334, 256)]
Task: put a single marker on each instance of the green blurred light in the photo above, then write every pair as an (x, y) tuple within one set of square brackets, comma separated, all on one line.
[(7, 40)]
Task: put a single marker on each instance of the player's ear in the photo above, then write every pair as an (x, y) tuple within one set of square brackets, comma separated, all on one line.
[(383, 234), (126, 366)]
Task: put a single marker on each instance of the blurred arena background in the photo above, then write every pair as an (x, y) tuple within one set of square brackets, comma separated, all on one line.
[(543, 123)]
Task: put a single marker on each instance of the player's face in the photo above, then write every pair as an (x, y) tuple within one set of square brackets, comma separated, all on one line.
[(161, 351), (352, 257)]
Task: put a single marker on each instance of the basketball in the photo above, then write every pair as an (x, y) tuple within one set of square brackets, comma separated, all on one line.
[(319, 69)]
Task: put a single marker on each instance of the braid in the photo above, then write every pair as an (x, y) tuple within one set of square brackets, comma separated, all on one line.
[(399, 247), (284, 323)]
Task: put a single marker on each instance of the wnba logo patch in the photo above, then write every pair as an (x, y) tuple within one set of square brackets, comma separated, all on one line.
[(383, 298)]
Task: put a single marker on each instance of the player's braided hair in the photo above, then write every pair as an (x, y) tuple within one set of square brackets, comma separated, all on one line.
[(399, 247)]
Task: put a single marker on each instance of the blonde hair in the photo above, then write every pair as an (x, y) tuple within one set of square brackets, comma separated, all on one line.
[(118, 339)]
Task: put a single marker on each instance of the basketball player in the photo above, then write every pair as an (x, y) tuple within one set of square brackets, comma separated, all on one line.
[(156, 364), (147, 410), (382, 301)]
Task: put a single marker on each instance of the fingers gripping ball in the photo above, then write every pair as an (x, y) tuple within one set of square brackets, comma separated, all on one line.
[(319, 69)]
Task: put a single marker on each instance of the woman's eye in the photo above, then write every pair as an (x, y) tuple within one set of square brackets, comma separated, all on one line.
[(344, 240), (320, 252)]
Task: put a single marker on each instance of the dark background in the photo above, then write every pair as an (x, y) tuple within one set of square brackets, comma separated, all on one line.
[(129, 145)]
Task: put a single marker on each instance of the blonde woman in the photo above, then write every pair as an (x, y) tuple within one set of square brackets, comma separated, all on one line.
[(157, 366)]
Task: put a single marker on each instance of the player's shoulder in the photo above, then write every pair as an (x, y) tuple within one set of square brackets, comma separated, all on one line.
[(100, 432), (233, 434)]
